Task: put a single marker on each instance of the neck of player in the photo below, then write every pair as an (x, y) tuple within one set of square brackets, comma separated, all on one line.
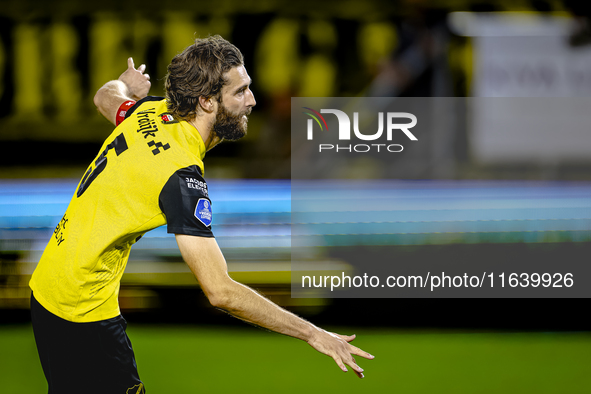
[(204, 126)]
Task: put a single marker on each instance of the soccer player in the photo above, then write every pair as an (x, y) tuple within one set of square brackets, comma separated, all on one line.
[(149, 172)]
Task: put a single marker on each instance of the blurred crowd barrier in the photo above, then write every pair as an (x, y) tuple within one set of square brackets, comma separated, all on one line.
[(252, 226), (257, 222)]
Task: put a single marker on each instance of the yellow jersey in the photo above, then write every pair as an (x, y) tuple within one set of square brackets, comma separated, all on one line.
[(148, 173)]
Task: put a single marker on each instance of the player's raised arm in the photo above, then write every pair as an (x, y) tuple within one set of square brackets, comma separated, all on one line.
[(132, 85), (205, 259)]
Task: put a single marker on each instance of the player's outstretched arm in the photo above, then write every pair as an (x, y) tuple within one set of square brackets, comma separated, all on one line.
[(132, 85), (205, 259)]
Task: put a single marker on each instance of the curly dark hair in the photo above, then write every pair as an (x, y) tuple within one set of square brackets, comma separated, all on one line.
[(199, 71)]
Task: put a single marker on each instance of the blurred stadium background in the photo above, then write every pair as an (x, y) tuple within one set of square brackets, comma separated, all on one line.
[(527, 200)]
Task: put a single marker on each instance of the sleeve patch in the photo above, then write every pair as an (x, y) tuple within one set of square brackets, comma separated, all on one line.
[(203, 211), (185, 203)]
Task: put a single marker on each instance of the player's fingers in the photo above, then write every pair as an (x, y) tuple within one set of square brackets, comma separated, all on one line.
[(354, 366), (359, 374), (358, 352), (147, 76), (142, 68), (347, 338), (130, 63), (341, 364)]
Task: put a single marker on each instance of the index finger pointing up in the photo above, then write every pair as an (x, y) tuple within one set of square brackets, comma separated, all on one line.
[(130, 63)]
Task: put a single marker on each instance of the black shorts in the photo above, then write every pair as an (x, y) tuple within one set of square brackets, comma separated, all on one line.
[(85, 358)]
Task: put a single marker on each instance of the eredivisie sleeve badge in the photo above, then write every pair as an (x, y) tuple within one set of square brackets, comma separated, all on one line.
[(203, 211)]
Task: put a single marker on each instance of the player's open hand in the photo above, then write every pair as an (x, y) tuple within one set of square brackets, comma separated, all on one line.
[(137, 82), (338, 347)]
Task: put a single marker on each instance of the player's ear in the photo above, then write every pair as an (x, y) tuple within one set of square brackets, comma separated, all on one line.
[(207, 104)]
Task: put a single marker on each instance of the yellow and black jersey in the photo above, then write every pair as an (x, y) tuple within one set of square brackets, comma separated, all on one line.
[(148, 173)]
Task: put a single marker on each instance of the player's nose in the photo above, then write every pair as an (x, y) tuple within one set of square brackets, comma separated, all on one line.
[(250, 102)]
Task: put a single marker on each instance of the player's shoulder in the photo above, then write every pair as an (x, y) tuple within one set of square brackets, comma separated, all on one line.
[(190, 171), (189, 177), (164, 136), (145, 103)]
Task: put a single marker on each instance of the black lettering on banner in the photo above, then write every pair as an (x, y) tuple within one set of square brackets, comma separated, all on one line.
[(120, 146)]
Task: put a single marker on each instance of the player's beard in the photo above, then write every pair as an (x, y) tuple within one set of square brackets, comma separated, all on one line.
[(229, 126)]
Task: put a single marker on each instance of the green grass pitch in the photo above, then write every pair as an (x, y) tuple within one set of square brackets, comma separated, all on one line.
[(248, 360)]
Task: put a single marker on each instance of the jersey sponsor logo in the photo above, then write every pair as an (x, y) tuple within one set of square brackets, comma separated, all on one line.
[(203, 211), (196, 184)]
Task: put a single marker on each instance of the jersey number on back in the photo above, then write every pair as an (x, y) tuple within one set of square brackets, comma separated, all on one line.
[(120, 146)]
